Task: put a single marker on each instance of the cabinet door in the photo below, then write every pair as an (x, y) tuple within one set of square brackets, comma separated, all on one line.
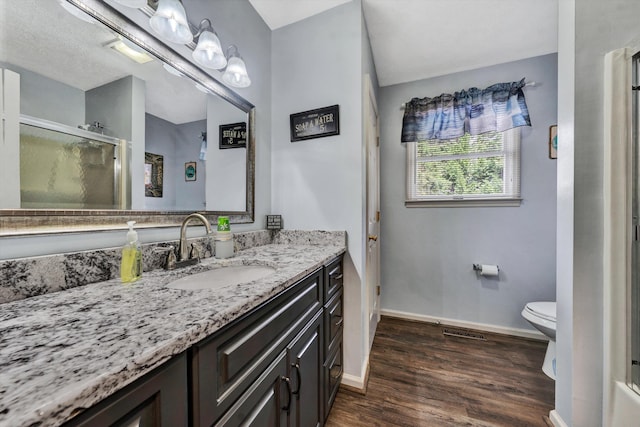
[(158, 399), (332, 376), (333, 278), (267, 401), (305, 370)]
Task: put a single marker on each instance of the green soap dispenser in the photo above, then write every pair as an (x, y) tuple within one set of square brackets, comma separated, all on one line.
[(131, 262)]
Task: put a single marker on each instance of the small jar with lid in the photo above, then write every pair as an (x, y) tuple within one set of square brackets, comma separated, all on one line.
[(223, 239)]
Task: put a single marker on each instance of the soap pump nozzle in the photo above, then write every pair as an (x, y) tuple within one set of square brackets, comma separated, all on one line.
[(132, 235)]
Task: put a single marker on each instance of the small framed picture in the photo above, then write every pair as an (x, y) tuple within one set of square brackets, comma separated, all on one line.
[(190, 171), (153, 170), (553, 142)]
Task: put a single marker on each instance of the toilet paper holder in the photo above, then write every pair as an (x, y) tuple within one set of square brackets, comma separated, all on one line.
[(478, 267)]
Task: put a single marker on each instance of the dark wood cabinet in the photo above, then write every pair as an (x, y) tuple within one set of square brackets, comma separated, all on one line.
[(333, 328), (304, 358), (267, 401), (280, 365), (159, 399), (226, 364)]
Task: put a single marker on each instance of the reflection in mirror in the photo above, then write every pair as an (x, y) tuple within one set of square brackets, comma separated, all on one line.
[(90, 112)]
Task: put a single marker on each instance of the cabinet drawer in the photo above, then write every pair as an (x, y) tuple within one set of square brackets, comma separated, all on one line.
[(333, 278), (224, 365), (333, 322), (264, 403), (332, 377)]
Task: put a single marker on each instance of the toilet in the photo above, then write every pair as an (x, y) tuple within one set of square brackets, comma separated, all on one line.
[(542, 315)]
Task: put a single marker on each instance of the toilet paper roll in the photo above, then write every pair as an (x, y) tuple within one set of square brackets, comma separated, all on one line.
[(489, 270)]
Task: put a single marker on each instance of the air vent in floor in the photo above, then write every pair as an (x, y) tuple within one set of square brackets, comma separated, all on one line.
[(463, 333)]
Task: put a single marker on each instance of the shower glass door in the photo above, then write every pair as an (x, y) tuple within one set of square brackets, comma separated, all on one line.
[(66, 168), (635, 252)]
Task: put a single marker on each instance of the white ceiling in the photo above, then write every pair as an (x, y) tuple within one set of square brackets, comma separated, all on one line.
[(411, 40), (417, 39), (42, 37)]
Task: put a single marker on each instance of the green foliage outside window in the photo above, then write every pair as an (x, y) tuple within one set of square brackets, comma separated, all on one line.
[(469, 165)]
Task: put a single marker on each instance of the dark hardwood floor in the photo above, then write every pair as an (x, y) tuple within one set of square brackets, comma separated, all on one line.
[(420, 377)]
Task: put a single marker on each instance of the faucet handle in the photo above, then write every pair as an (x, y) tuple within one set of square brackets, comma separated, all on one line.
[(194, 253), (171, 261)]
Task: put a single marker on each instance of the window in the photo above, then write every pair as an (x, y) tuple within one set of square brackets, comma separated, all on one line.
[(480, 170)]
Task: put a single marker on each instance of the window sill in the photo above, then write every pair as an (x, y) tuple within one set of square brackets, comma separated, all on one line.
[(461, 203)]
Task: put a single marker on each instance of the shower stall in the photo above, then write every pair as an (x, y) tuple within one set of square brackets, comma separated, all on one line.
[(62, 167)]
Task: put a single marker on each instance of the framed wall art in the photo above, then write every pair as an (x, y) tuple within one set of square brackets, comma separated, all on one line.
[(316, 123), (190, 169), (153, 171), (233, 135)]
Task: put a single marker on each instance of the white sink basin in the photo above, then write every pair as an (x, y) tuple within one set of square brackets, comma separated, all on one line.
[(223, 276)]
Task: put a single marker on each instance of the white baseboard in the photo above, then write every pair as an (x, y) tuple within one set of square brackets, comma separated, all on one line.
[(357, 382), (524, 333), (556, 419), (353, 381)]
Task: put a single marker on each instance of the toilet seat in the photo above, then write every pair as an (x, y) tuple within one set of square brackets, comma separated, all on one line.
[(542, 309)]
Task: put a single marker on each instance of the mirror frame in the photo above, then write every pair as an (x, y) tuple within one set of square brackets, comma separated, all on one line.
[(15, 222)]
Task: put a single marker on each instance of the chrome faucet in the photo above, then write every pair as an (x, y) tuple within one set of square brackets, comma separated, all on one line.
[(183, 251)]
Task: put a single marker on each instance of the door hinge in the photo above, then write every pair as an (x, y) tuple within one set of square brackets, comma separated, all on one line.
[(377, 216), (378, 290), (377, 141), (636, 232)]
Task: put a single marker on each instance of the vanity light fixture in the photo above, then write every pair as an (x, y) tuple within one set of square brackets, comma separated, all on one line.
[(134, 4), (236, 72), (170, 22), (130, 50), (208, 51), (169, 69), (203, 89)]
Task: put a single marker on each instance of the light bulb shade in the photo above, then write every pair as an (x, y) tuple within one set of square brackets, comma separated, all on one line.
[(78, 13), (170, 22), (135, 4), (208, 52), (236, 73), (172, 70)]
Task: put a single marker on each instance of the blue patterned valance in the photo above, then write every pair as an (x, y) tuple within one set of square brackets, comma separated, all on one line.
[(496, 108)]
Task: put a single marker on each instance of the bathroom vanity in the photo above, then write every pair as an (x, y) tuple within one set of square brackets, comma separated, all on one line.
[(266, 353)]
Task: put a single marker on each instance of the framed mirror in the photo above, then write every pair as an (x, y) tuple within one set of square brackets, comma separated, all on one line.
[(95, 136)]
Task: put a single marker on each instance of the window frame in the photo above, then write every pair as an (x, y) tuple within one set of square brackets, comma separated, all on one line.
[(511, 150)]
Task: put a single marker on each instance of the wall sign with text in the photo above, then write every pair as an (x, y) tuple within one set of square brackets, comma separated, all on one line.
[(315, 123), (233, 135)]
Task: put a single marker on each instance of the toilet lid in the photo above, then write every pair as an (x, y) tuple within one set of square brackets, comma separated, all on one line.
[(543, 309)]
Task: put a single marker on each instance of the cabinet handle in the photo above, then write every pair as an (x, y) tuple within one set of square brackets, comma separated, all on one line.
[(287, 381), (339, 322), (337, 276), (297, 367)]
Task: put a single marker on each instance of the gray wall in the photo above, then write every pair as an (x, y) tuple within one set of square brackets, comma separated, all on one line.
[(110, 104), (318, 183), (161, 140), (49, 99), (178, 144), (190, 195), (237, 22), (427, 253)]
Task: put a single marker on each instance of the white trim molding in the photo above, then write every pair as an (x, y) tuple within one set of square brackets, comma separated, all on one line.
[(556, 419), (516, 332), (357, 382)]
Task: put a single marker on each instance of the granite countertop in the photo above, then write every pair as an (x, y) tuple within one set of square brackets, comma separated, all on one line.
[(73, 348)]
